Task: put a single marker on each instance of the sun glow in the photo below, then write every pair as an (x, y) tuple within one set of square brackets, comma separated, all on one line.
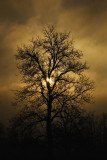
[(49, 80)]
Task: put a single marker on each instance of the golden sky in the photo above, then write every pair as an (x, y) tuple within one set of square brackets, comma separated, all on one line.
[(20, 20)]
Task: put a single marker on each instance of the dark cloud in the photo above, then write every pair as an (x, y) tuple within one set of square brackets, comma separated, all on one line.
[(93, 6), (16, 10), (21, 10), (86, 15)]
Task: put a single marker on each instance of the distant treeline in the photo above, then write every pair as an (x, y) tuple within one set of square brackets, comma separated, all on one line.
[(82, 134)]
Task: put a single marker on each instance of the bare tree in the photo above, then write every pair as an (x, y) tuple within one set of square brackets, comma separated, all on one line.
[(52, 71)]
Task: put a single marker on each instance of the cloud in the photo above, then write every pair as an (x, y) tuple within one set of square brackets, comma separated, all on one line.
[(93, 6), (16, 10), (21, 20), (89, 31), (21, 10)]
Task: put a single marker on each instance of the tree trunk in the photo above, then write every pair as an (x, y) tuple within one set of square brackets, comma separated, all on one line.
[(49, 124), (49, 131)]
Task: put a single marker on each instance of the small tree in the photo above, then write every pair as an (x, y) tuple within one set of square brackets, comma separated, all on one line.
[(52, 71)]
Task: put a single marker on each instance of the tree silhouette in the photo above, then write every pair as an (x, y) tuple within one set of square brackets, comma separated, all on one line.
[(52, 71)]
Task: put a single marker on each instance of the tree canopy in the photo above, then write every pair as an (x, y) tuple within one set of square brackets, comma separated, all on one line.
[(53, 73)]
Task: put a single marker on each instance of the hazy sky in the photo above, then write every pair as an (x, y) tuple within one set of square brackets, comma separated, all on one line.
[(20, 20)]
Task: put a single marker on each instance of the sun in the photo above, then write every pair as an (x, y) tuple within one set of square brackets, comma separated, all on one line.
[(49, 80)]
